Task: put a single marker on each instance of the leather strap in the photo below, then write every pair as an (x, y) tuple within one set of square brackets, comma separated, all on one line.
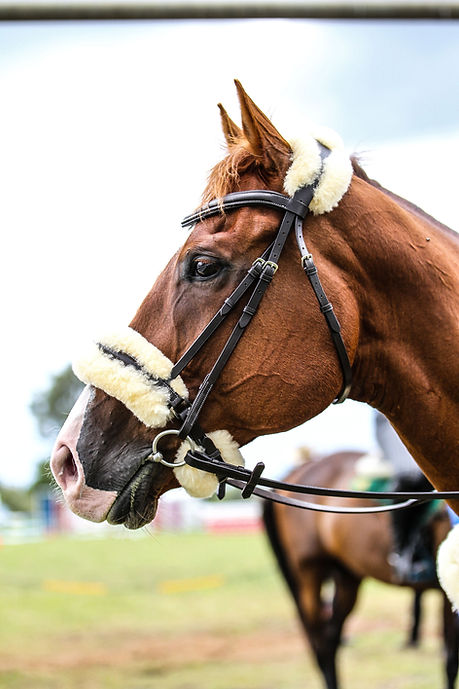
[(238, 199), (317, 507), (327, 310), (249, 483), (209, 381), (230, 302), (299, 204)]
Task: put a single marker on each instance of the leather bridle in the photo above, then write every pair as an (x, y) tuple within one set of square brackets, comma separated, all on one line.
[(203, 454)]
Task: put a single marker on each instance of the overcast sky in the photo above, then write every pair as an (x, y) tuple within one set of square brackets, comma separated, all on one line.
[(108, 130)]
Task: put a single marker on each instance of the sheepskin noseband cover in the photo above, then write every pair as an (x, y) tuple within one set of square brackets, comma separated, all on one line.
[(203, 484), (128, 367)]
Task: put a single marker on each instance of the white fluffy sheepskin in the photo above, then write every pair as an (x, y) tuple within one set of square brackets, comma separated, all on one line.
[(306, 164), (147, 401), (201, 484), (448, 566)]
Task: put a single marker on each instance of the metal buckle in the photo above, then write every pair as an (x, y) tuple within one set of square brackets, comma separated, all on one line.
[(306, 257), (273, 265), (264, 263)]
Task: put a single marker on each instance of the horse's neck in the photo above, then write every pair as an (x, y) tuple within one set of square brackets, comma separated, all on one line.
[(407, 278)]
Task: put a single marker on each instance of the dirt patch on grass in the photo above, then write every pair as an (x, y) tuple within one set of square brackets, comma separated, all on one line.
[(172, 652), (118, 648)]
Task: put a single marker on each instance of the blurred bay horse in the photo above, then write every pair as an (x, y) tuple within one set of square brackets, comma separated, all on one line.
[(314, 548), (248, 367)]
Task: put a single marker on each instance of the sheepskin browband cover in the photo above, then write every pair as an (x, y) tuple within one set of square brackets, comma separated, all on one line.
[(128, 367), (306, 168)]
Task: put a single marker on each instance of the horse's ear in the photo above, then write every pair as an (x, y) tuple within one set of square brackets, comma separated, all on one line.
[(231, 131), (264, 139)]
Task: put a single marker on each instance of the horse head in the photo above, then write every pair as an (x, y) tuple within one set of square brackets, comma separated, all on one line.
[(99, 454), (284, 369)]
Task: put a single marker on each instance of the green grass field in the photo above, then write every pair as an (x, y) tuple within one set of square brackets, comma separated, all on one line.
[(188, 611)]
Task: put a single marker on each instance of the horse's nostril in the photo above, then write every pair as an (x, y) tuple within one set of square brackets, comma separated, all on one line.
[(64, 467), (70, 471)]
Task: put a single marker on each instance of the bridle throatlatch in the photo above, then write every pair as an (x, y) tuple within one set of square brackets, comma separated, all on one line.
[(128, 367)]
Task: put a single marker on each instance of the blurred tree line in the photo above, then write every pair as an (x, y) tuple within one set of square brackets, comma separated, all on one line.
[(50, 408)]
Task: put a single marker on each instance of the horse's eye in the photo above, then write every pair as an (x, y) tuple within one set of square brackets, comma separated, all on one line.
[(204, 268)]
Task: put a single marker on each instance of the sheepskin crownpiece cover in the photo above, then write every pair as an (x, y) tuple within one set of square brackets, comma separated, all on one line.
[(128, 367), (448, 566), (334, 174)]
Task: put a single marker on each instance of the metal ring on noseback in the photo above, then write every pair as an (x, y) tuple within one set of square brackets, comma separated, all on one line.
[(157, 456)]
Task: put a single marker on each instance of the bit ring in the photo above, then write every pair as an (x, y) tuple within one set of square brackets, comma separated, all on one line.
[(157, 456)]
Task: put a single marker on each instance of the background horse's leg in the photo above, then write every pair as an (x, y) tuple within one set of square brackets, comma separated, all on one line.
[(344, 599), (314, 617), (451, 640), (413, 638), (305, 583), (323, 619), (346, 588)]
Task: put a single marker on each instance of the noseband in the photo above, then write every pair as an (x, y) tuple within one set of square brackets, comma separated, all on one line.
[(204, 455)]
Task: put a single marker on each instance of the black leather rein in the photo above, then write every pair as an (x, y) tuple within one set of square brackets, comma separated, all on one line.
[(248, 481)]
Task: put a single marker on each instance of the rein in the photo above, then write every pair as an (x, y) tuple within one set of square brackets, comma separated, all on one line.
[(203, 454), (249, 481)]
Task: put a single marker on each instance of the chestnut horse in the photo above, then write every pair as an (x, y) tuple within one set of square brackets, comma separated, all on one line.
[(391, 272), (313, 548)]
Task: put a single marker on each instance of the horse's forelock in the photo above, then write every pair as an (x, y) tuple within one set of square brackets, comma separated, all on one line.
[(225, 175)]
